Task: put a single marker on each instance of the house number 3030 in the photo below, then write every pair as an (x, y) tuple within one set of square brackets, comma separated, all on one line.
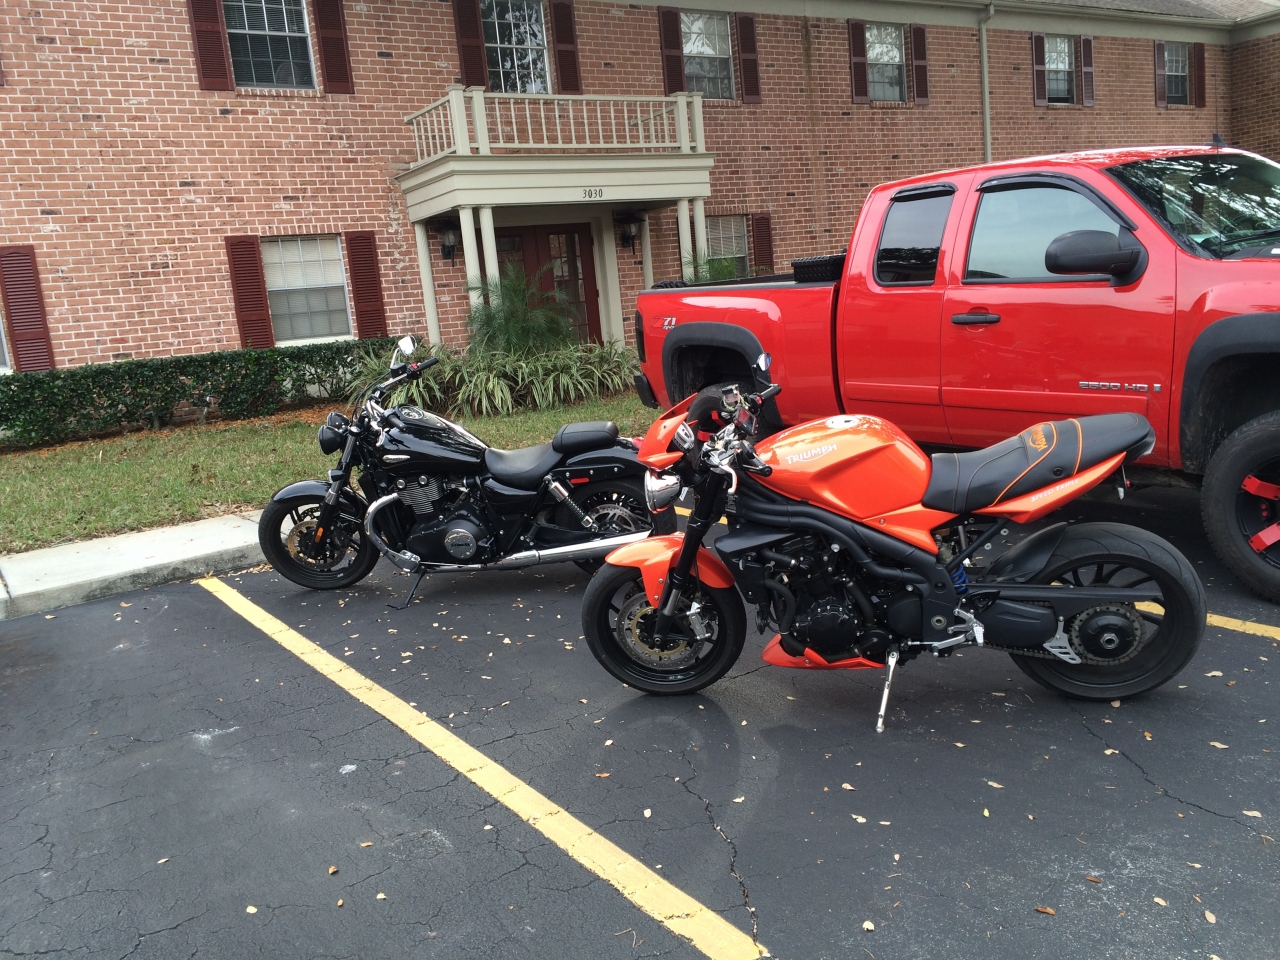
[(592, 193)]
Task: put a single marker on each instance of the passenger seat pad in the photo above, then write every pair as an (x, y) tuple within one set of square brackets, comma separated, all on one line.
[(522, 469), (582, 437), (1037, 457)]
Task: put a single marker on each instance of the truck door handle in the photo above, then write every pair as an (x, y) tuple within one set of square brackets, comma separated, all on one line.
[(967, 319)]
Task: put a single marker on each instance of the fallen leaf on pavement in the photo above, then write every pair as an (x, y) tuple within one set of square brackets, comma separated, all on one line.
[(582, 701), (1210, 917), (959, 744), (1220, 746), (339, 903), (1030, 817), (998, 786), (1231, 683), (847, 786), (647, 813), (1214, 673), (123, 604), (1160, 901), (50, 616), (251, 909), (332, 871), (163, 860), (603, 775), (858, 818), (739, 799), (608, 743), (884, 823), (1190, 864), (1147, 734), (381, 896), (1251, 813), (1115, 703), (1109, 751), (1049, 910), (744, 723), (367, 843), (986, 812), (1093, 879), (868, 926)]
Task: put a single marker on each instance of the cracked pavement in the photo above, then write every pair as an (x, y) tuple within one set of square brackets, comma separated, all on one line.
[(167, 766)]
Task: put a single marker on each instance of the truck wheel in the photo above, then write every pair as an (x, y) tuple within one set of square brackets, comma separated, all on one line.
[(1240, 502)]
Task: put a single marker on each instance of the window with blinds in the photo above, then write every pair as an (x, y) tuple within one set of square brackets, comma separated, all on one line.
[(727, 246), (1060, 70), (708, 54), (306, 287), (1177, 63), (269, 43), (515, 46)]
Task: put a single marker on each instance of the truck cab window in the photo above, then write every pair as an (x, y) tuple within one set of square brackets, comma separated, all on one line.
[(1014, 228), (911, 239)]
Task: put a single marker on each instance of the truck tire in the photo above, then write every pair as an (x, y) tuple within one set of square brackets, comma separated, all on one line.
[(1242, 522)]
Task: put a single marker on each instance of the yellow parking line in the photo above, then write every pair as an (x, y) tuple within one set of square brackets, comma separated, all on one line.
[(1244, 626), (670, 906)]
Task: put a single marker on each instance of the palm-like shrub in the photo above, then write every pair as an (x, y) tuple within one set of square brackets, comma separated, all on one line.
[(516, 316)]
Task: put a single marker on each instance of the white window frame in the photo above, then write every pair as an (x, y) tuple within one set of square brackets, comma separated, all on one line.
[(305, 35), (728, 57), (546, 53), (900, 64), (1183, 99), (346, 288), (1068, 73)]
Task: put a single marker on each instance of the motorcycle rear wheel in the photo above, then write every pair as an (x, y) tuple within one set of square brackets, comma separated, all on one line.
[(617, 507), (616, 614), (1121, 555), (349, 557)]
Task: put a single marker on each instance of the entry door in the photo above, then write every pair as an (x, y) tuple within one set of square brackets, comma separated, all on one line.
[(1021, 345), (561, 255)]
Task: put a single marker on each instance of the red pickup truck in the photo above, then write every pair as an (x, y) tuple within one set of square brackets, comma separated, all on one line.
[(973, 303)]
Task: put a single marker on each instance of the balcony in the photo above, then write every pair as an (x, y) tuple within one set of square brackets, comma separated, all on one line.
[(476, 148)]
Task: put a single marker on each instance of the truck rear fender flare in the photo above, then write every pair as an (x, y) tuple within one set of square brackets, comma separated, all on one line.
[(716, 336), (1206, 417)]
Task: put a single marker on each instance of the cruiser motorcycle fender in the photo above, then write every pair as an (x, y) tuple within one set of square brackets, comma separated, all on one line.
[(655, 557), (320, 489)]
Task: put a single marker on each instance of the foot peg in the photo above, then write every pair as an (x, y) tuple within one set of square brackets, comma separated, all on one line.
[(890, 663)]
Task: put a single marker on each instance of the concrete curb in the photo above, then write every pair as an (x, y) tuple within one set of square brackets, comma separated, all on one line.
[(56, 577)]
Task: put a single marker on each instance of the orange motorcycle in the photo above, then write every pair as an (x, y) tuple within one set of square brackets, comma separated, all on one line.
[(856, 548)]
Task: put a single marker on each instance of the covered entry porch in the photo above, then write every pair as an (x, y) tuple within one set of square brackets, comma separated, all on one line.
[(554, 183)]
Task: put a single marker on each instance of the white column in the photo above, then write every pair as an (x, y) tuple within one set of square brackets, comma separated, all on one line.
[(611, 323), (470, 255), (489, 242), (646, 252), (428, 284), (686, 242), (699, 230)]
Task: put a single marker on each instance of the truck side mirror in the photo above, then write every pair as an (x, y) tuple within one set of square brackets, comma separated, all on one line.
[(1092, 251), (764, 362)]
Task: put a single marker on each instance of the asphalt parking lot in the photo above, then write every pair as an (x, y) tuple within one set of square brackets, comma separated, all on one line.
[(168, 766)]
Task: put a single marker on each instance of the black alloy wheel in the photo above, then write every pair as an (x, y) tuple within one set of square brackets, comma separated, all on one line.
[(617, 507), (1240, 502), (1125, 648), (705, 640), (343, 555)]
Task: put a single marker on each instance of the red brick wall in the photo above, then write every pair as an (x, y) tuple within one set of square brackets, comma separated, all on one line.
[(1255, 82), (127, 177)]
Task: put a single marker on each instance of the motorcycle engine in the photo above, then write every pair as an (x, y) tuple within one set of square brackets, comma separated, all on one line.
[(827, 625), (459, 535)]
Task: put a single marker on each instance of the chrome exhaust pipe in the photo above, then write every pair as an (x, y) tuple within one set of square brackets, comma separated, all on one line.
[(412, 563)]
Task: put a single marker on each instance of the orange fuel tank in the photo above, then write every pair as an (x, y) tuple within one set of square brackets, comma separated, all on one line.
[(858, 466)]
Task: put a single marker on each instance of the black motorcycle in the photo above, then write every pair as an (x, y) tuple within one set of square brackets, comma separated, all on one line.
[(431, 496)]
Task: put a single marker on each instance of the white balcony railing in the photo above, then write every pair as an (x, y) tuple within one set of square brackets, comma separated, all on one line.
[(467, 122)]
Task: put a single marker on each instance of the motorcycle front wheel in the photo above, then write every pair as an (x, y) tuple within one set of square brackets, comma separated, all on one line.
[(704, 641), (344, 556), (1125, 648)]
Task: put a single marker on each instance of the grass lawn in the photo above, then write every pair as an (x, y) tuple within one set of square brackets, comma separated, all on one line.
[(97, 488)]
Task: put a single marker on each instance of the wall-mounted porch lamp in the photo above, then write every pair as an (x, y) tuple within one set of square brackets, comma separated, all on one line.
[(450, 234), (629, 229)]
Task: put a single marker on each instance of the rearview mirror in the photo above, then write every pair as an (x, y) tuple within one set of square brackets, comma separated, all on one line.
[(1091, 251), (407, 345)]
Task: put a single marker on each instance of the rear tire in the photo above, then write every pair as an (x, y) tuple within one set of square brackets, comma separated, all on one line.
[(617, 506), (615, 613), (1232, 515), (349, 559), (1121, 555)]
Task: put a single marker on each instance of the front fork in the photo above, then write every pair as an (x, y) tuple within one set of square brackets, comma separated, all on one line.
[(329, 507), (678, 582)]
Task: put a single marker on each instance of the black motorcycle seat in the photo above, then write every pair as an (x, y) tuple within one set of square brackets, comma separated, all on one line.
[(1035, 458), (583, 437), (523, 468)]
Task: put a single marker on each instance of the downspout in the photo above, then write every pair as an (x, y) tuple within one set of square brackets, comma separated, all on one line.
[(986, 89)]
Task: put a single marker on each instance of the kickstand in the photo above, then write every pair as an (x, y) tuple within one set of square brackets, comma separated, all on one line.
[(890, 663), (408, 600)]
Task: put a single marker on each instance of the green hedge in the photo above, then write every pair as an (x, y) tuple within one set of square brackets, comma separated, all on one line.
[(61, 405)]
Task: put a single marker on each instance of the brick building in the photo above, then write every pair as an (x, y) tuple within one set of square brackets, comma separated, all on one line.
[(190, 175)]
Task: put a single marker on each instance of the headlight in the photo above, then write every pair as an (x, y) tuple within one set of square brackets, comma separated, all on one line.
[(661, 490), (330, 440)]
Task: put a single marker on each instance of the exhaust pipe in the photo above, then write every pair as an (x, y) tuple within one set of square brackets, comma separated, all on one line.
[(412, 563)]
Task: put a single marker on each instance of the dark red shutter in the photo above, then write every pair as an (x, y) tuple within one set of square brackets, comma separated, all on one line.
[(1197, 75), (209, 37), (1086, 72), (249, 292), (761, 240), (919, 64), (24, 310), (1162, 89), (1039, 78), (564, 35), (335, 58), (671, 45), (748, 58), (858, 82), (366, 283), (470, 34)]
